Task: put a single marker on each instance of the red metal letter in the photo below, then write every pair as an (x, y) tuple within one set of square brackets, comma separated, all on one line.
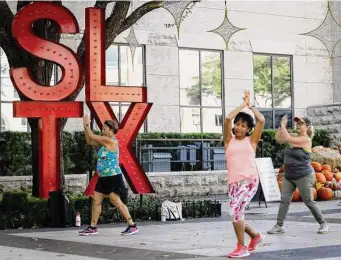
[(49, 112), (129, 129), (96, 89), (58, 53)]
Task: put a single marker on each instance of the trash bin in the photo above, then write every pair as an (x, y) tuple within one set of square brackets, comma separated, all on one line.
[(161, 162), (219, 160)]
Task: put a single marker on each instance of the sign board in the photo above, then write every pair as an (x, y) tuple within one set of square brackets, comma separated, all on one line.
[(268, 180)]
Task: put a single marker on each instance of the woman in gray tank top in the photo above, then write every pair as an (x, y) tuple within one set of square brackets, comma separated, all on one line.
[(298, 172)]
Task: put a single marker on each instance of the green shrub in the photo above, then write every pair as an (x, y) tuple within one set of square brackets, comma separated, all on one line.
[(20, 210), (15, 149)]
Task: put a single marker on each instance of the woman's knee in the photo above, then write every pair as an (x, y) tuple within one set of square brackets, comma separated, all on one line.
[(116, 200), (97, 200), (286, 198)]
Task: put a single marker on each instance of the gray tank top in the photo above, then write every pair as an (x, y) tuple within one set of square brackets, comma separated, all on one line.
[(297, 163)]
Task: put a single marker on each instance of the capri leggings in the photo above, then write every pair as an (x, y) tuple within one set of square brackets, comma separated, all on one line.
[(240, 195)]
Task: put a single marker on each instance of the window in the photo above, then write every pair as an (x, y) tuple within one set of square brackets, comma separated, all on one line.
[(24, 121), (273, 88), (8, 94), (201, 105), (122, 71), (2, 125)]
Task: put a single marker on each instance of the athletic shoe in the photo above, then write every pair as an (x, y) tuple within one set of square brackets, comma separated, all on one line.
[(130, 230), (89, 231), (240, 251), (256, 242)]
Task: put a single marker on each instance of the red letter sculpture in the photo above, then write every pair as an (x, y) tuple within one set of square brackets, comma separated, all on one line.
[(46, 103), (96, 90), (49, 112)]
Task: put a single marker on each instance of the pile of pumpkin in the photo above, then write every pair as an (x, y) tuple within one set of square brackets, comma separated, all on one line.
[(327, 182)]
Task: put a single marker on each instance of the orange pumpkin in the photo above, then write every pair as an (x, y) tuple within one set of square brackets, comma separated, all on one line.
[(280, 185), (329, 175), (281, 169), (326, 167), (315, 193), (325, 193), (296, 196), (338, 176), (317, 166), (320, 177)]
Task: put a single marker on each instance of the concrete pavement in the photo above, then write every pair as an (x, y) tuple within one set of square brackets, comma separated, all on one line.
[(190, 239)]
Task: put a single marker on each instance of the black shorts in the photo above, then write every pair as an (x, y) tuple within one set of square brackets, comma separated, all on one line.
[(115, 183)]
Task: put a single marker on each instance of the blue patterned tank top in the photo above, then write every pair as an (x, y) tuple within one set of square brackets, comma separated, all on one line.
[(108, 161)]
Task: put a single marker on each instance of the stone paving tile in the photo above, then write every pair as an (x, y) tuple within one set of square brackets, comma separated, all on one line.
[(191, 239)]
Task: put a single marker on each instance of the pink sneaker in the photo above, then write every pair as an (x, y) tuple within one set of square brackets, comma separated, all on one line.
[(131, 230), (240, 251), (255, 242)]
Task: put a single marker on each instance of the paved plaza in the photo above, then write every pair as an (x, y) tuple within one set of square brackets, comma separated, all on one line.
[(203, 239)]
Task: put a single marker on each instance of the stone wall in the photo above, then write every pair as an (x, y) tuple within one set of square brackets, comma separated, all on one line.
[(327, 117), (166, 184)]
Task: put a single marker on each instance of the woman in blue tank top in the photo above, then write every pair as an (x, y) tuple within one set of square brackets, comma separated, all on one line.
[(110, 182)]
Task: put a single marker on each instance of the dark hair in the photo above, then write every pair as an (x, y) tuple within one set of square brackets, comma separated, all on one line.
[(113, 125), (244, 117)]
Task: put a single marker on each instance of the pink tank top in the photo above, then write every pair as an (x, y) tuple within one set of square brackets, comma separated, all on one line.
[(241, 160)]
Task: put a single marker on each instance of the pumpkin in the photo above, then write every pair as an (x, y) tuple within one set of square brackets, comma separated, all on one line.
[(336, 186), (326, 167), (296, 196), (317, 166), (280, 185), (281, 169), (338, 176), (315, 193), (320, 177), (329, 175), (280, 176), (325, 193), (328, 184)]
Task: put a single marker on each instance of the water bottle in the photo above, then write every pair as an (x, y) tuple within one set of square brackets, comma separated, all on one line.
[(78, 219)]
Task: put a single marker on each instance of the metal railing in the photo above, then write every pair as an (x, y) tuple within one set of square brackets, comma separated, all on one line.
[(166, 155)]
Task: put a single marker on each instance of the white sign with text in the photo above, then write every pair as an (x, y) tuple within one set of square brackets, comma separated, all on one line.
[(268, 180)]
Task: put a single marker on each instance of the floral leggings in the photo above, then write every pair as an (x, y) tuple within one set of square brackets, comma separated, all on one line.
[(240, 195)]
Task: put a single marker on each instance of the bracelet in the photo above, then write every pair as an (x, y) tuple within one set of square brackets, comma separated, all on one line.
[(251, 106)]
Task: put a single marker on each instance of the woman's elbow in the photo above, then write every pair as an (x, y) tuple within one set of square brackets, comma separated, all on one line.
[(261, 120)]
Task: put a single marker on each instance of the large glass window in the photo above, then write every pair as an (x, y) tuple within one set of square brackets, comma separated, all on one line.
[(122, 71), (201, 85), (273, 88), (8, 94)]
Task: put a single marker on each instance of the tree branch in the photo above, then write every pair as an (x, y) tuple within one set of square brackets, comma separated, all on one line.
[(115, 21), (139, 12)]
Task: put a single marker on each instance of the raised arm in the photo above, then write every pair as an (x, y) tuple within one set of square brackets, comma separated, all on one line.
[(90, 137), (260, 120), (280, 137), (229, 119), (299, 141)]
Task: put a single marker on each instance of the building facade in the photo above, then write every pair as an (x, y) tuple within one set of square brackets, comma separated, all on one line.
[(193, 81)]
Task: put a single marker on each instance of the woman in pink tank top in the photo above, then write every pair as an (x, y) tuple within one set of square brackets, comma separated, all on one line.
[(240, 146)]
